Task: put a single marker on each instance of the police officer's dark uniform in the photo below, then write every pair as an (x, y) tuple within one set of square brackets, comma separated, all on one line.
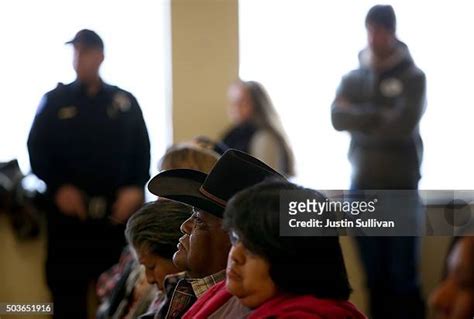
[(98, 144)]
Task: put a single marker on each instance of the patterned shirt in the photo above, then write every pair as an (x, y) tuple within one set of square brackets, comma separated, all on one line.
[(182, 291)]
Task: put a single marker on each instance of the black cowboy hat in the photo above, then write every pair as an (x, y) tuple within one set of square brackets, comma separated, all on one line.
[(233, 172)]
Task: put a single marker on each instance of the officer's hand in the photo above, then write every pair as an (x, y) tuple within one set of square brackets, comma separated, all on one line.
[(129, 199), (70, 201)]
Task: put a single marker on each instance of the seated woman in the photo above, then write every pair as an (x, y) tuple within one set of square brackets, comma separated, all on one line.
[(454, 297), (153, 232), (277, 277)]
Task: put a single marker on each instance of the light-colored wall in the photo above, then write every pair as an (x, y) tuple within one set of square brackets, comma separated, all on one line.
[(204, 63)]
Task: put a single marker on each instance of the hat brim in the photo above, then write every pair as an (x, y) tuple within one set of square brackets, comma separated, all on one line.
[(183, 185), (85, 44)]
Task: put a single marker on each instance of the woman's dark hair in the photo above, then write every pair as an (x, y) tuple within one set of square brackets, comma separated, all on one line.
[(156, 227), (299, 265)]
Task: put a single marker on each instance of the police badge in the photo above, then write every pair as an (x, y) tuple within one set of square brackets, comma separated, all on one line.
[(67, 112)]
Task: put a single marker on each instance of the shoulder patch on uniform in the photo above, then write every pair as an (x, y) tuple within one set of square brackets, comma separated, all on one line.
[(121, 102)]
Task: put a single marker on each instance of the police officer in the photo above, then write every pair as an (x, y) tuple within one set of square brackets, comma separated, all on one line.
[(90, 145)]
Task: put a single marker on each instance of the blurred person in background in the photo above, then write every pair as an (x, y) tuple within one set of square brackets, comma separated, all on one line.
[(190, 155), (90, 145), (256, 127), (380, 104), (454, 296)]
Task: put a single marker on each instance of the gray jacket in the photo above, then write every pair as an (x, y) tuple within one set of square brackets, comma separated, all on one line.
[(381, 109)]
